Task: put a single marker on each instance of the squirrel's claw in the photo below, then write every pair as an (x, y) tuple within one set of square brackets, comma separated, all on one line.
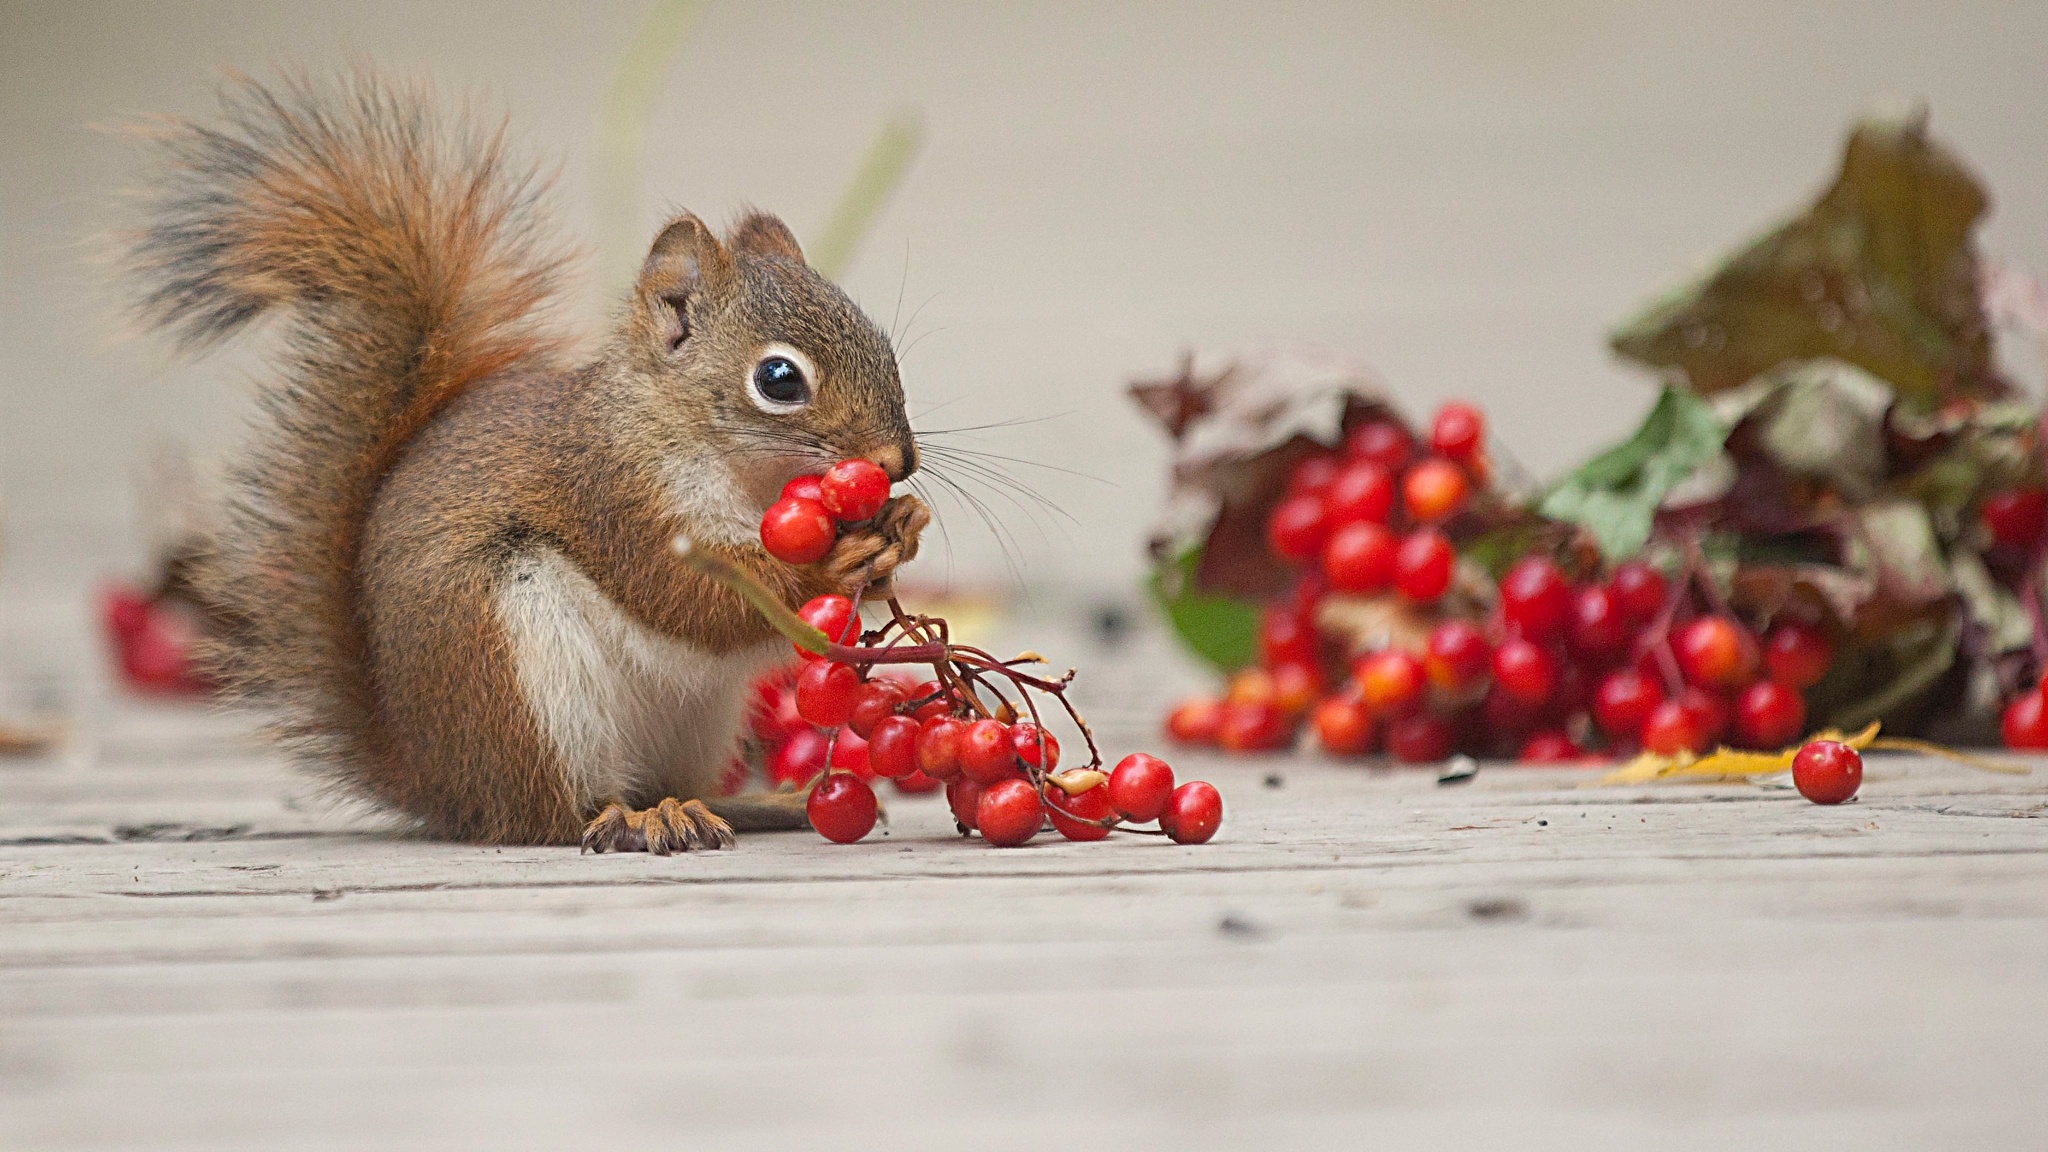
[(867, 557), (665, 829)]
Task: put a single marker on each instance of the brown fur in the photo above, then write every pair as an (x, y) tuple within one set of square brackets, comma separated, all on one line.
[(427, 446)]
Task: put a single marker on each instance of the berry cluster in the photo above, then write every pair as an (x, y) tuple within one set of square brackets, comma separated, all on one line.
[(1554, 671), (834, 723)]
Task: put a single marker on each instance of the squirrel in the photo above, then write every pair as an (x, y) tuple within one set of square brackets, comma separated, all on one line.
[(446, 550)]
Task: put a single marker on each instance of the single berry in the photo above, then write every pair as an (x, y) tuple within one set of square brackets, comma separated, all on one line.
[(1380, 442), (1312, 475), (804, 488), (986, 753), (797, 531), (1195, 721), (842, 808), (1286, 634), (1457, 432), (892, 747), (1359, 557), (1597, 633), (1252, 728), (1826, 772), (875, 701), (1458, 656), (1297, 528), (1433, 490), (963, 796), (1797, 655), (798, 758), (937, 701), (1025, 739), (849, 753), (772, 714), (1193, 813), (1389, 681), (1295, 687), (1715, 653), (1534, 598), (1639, 590), (854, 490), (1549, 747), (1009, 813), (2025, 723), (825, 691), (1623, 702), (938, 747), (1525, 671), (1250, 686), (1068, 811), (1362, 491), (1421, 738), (1712, 711), (1673, 728), (1422, 566), (2016, 516), (1139, 786), (833, 615), (1343, 726), (1769, 715)]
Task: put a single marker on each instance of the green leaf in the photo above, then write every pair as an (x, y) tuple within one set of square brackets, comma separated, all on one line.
[(1879, 272), (1220, 629), (1615, 494)]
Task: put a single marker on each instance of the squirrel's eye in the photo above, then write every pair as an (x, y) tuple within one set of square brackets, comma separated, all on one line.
[(779, 385)]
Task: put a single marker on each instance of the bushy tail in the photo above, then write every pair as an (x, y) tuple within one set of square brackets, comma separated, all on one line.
[(404, 252)]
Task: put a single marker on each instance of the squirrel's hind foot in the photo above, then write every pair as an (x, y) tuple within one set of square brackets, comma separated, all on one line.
[(665, 829)]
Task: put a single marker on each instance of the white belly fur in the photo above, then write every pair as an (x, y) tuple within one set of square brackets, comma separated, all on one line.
[(628, 710)]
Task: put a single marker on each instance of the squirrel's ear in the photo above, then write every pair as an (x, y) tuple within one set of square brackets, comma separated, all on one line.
[(686, 260), (763, 235)]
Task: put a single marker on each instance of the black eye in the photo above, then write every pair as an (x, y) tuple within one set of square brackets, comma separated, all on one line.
[(780, 381)]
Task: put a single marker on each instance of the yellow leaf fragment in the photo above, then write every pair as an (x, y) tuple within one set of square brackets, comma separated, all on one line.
[(1723, 763)]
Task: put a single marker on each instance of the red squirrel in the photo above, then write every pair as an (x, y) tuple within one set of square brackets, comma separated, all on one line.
[(447, 549)]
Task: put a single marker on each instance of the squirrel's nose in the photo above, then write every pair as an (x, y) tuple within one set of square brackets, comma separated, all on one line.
[(898, 460)]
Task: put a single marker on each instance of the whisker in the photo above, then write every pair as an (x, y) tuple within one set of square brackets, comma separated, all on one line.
[(980, 455)]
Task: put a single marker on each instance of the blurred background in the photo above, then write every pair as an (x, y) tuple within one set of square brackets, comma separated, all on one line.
[(1465, 194)]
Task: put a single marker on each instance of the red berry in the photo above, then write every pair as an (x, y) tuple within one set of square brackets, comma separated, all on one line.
[(986, 754), (1673, 728), (1623, 703), (1525, 671), (832, 615), (2016, 516), (772, 714), (1710, 710), (798, 758), (797, 531), (1250, 686), (1389, 682), (1192, 814), (1381, 442), (892, 747), (963, 796), (1419, 739), (1797, 655), (124, 611), (1505, 719), (1826, 772), (938, 747), (1769, 715), (1139, 786), (1195, 721), (804, 488), (1598, 633), (1286, 635), (1297, 528), (842, 808), (1312, 474), (1252, 728), (1550, 747), (1343, 726), (854, 489), (875, 701), (1433, 490), (1715, 652), (1359, 557), (1295, 687), (937, 701), (1639, 591), (824, 692), (1457, 431), (1009, 813), (1534, 598), (1025, 737), (2025, 723), (1458, 656), (1422, 566), (1362, 491), (1063, 808), (850, 754)]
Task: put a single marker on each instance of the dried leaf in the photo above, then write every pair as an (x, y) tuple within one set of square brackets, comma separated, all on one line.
[(1723, 763)]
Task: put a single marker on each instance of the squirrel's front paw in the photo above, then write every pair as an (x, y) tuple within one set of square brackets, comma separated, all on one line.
[(670, 827), (868, 556)]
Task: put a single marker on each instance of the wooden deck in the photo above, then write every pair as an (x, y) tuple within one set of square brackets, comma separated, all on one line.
[(198, 952)]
